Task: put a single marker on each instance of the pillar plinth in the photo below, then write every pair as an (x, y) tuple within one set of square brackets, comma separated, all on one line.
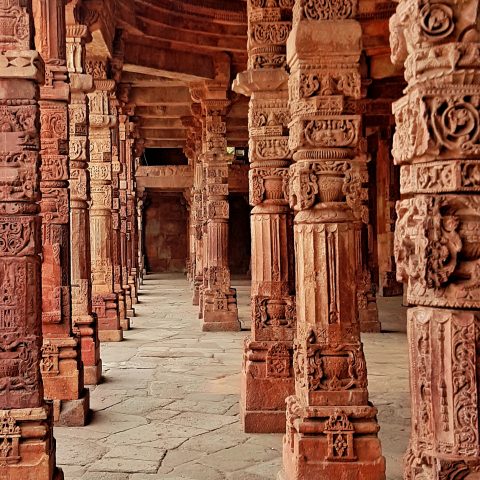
[(331, 428), (436, 244), (26, 421)]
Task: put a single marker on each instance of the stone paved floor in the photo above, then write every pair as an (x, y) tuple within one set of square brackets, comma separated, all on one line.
[(168, 408)]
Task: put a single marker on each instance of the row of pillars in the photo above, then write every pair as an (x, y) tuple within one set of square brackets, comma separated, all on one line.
[(304, 370), (71, 257)]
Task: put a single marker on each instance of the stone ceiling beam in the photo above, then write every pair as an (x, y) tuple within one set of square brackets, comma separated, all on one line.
[(176, 64), (160, 96), (153, 143), (167, 134)]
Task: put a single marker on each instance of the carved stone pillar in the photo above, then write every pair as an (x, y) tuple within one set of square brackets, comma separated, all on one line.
[(331, 426), (83, 321), (118, 283), (124, 157), (218, 303), (131, 212), (28, 447), (140, 217), (138, 149), (437, 145), (387, 193), (267, 374), (105, 300), (197, 209), (61, 366)]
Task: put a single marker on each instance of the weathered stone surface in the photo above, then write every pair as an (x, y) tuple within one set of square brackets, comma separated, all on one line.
[(434, 233)]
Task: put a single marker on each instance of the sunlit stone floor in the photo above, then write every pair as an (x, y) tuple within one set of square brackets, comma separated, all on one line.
[(168, 406)]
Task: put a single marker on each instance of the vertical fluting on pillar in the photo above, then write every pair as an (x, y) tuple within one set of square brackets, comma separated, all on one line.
[(267, 374), (105, 300), (28, 447), (61, 365), (331, 426), (437, 146), (83, 321), (218, 300)]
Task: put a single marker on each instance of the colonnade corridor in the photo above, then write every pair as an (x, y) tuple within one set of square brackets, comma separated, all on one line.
[(168, 407)]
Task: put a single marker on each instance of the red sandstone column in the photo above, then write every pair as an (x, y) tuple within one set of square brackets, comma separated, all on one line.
[(331, 426), (83, 321), (116, 218), (140, 225), (27, 445), (105, 300), (197, 208), (437, 145), (122, 203), (131, 209), (387, 192), (267, 374), (61, 365), (219, 304)]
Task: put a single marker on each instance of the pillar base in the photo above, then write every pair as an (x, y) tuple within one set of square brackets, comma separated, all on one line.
[(72, 413), (110, 335), (328, 443), (389, 287), (441, 467), (264, 388), (221, 321), (219, 311), (32, 452), (125, 323), (196, 297), (92, 374), (89, 348), (369, 322), (106, 306)]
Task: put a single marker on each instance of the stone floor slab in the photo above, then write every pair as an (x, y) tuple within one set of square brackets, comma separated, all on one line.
[(168, 408)]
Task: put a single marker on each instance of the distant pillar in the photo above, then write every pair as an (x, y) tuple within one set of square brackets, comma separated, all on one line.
[(105, 299)]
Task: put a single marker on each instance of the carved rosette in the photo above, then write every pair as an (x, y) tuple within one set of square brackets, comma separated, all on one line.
[(437, 145)]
